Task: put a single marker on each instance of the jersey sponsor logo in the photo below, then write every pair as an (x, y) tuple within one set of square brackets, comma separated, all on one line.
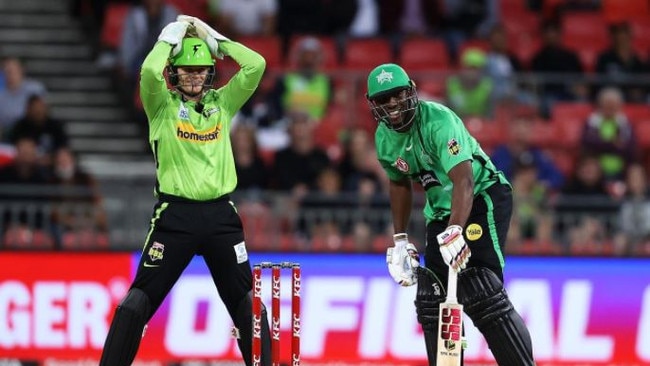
[(453, 147), (384, 77), (474, 232), (428, 179), (186, 131), (401, 165)]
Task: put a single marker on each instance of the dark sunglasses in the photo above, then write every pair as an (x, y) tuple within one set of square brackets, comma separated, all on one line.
[(385, 98)]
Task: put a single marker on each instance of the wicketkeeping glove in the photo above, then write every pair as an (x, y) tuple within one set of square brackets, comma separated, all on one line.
[(210, 36), (453, 247), (173, 33), (402, 259)]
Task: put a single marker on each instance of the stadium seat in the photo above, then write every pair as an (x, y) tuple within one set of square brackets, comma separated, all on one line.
[(620, 10), (524, 46), (570, 119), (364, 54), (488, 133), (269, 47), (113, 25), (330, 49), (433, 88), (582, 30), (637, 113), (328, 130), (641, 34), (512, 8), (424, 54), (643, 135), (197, 8)]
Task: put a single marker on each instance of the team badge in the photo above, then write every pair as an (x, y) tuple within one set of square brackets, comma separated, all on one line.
[(474, 232), (183, 114), (384, 77), (401, 165), (453, 147), (156, 251)]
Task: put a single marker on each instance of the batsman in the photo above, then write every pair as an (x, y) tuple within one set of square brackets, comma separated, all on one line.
[(468, 209), (189, 134)]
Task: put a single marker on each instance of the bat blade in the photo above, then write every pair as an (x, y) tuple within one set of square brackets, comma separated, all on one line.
[(450, 329)]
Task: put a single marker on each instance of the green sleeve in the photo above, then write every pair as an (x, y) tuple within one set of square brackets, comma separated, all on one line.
[(452, 141), (241, 86), (153, 87)]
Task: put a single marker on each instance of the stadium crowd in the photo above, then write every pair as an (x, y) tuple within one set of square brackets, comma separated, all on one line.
[(556, 92)]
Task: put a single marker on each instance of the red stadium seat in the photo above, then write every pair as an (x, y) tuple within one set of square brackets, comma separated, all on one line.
[(570, 119), (113, 25), (643, 134), (327, 132), (641, 34), (637, 113), (424, 54), (585, 30), (365, 54), (487, 133), (269, 47), (524, 46), (197, 8), (330, 50), (620, 10)]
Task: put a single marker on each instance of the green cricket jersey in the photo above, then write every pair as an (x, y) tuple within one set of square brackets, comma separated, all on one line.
[(435, 143), (194, 159)]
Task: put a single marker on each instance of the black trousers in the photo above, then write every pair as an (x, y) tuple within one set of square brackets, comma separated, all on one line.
[(485, 233), (182, 229)]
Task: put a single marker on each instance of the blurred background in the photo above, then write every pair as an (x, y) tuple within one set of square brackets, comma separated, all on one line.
[(556, 91)]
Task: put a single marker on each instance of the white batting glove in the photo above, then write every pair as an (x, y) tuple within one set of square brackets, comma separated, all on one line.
[(402, 259), (173, 33), (210, 36), (453, 247)]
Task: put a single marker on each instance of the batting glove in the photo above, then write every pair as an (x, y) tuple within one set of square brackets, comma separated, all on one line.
[(402, 260), (173, 33), (210, 36), (453, 247)]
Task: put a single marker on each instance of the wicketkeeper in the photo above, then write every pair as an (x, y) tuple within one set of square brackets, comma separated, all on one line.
[(189, 128)]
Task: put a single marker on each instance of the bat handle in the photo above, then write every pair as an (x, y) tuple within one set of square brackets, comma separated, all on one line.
[(452, 280)]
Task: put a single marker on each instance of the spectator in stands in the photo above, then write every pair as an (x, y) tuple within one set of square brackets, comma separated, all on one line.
[(621, 64), (297, 166), (320, 17), (26, 167), (366, 19), (25, 176), (13, 99), (39, 126), (470, 92), (78, 219), (323, 217), (307, 88), (584, 208), (531, 217), (553, 58), (519, 147), (467, 19), (634, 217), (502, 65), (235, 18), (409, 18), (358, 163), (609, 135), (142, 25), (252, 173)]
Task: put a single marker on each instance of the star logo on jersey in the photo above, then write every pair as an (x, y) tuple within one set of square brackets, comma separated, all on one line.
[(384, 77), (453, 147), (401, 165)]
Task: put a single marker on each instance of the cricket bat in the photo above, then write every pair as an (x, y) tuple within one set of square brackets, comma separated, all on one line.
[(450, 326)]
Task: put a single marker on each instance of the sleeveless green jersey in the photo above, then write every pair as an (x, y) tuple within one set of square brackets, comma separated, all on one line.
[(437, 141), (191, 145)]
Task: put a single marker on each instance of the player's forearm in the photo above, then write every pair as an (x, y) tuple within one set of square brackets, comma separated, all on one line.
[(252, 64), (462, 198), (401, 203), (462, 195), (152, 79)]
